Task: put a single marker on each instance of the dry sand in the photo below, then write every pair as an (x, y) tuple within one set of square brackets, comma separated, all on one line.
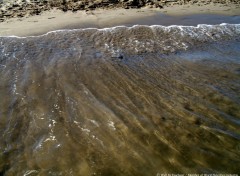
[(57, 20)]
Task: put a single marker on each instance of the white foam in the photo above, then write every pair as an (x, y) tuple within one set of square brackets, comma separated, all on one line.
[(51, 138), (29, 172), (87, 131), (111, 29), (94, 122), (165, 38), (111, 125), (3, 66)]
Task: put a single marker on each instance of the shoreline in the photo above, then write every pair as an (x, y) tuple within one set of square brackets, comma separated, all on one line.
[(104, 18)]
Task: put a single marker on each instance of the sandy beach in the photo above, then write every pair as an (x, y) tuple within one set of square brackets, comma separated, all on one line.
[(56, 19)]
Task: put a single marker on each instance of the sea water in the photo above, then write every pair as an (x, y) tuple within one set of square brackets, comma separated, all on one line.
[(141, 100)]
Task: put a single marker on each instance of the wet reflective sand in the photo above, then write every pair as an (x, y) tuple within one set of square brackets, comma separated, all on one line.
[(71, 106)]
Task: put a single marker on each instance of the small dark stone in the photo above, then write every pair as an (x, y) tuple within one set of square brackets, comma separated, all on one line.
[(92, 6), (8, 15), (187, 107), (74, 10), (20, 15), (163, 118), (120, 57), (197, 122), (15, 5), (65, 9)]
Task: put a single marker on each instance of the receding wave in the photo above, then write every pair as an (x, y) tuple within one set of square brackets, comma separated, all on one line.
[(141, 100), (154, 38)]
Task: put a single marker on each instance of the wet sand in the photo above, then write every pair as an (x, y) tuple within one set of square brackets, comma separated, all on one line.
[(174, 15)]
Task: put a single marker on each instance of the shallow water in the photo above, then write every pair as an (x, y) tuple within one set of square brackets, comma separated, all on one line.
[(186, 20), (121, 101)]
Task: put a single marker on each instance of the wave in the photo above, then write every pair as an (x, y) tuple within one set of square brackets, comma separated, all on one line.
[(140, 39)]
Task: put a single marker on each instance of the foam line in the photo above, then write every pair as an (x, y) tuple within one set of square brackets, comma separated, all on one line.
[(237, 27)]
